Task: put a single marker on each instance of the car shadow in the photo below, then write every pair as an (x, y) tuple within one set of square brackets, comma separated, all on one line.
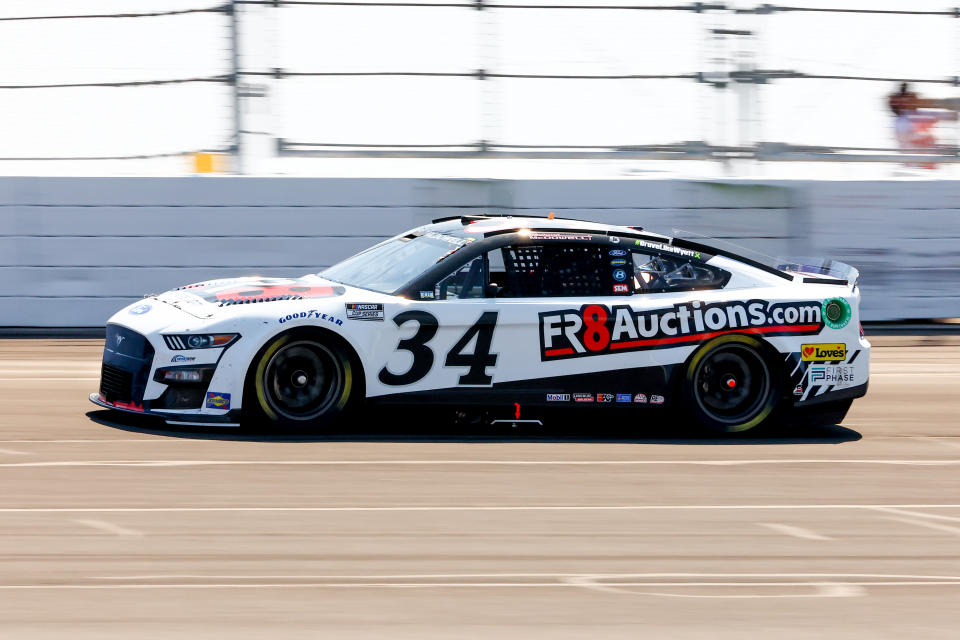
[(412, 426)]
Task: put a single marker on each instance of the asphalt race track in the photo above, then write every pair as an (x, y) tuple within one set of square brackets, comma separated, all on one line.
[(112, 528)]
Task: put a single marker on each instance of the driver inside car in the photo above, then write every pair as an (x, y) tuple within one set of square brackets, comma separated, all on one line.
[(662, 274)]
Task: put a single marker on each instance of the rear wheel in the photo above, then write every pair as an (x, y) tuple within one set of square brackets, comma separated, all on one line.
[(729, 385), (302, 382)]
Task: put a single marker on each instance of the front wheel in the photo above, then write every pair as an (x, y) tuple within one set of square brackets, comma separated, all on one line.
[(301, 382), (729, 385)]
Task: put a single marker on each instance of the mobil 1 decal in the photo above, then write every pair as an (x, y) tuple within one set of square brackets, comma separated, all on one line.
[(595, 329)]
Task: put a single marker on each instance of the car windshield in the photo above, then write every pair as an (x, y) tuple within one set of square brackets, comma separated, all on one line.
[(391, 264)]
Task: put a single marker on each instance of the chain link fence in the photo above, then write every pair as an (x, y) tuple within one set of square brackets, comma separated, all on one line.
[(314, 78)]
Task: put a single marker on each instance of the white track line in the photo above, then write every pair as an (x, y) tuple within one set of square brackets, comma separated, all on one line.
[(447, 585), (148, 439), (322, 463), (916, 374), (936, 526), (916, 514), (821, 589), (640, 507), (802, 578), (54, 370), (44, 379), (796, 532), (945, 441), (100, 440), (825, 584), (109, 527)]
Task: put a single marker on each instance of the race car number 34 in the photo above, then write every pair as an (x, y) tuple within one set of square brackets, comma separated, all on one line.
[(418, 346)]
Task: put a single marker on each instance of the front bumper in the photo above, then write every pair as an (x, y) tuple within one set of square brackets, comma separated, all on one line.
[(130, 381), (231, 419)]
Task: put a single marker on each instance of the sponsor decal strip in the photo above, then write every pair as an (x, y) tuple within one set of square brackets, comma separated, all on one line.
[(713, 334), (823, 352), (217, 400), (313, 313), (365, 311), (559, 235), (596, 329), (697, 337)]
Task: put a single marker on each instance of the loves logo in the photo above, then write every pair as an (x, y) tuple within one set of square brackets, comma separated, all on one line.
[(823, 352)]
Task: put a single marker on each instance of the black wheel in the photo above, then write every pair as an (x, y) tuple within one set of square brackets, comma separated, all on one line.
[(730, 386), (300, 381)]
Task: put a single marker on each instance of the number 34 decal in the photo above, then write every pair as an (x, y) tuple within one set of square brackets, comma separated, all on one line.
[(427, 327)]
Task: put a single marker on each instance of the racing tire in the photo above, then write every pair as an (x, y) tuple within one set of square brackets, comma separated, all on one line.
[(300, 381), (730, 386)]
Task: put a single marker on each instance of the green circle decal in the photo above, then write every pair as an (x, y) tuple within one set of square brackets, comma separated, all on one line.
[(836, 313)]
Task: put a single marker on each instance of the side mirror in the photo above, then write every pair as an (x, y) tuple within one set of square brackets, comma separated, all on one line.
[(492, 290)]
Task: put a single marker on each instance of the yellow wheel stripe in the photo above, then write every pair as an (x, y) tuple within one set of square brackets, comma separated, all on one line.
[(258, 376), (261, 368), (703, 352)]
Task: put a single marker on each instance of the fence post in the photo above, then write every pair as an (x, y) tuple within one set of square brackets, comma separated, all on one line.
[(237, 147)]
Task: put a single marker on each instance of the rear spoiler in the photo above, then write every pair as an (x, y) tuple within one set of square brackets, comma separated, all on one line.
[(821, 271)]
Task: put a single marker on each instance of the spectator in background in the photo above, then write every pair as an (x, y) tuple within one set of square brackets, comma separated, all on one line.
[(903, 100), (913, 126), (903, 104)]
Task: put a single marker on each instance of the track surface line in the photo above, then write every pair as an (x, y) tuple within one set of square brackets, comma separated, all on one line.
[(796, 532), (639, 507), (109, 527), (533, 463)]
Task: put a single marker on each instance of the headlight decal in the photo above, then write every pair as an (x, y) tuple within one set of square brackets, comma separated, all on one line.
[(183, 342)]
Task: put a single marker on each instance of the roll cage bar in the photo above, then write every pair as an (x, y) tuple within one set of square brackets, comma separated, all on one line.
[(498, 239), (636, 234)]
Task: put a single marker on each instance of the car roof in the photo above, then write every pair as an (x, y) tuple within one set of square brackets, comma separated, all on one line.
[(485, 224)]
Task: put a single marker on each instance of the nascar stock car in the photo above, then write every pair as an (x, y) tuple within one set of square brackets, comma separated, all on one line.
[(510, 313)]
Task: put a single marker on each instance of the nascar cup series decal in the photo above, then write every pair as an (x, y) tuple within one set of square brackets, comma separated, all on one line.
[(595, 329), (365, 311)]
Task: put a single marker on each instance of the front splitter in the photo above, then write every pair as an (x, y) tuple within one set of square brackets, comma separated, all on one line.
[(192, 420)]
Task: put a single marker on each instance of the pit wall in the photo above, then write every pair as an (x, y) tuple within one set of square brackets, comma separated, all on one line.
[(73, 250)]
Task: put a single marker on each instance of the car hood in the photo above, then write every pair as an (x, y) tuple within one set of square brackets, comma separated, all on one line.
[(205, 299)]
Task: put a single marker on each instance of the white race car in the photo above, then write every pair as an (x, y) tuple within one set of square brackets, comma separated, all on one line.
[(516, 314)]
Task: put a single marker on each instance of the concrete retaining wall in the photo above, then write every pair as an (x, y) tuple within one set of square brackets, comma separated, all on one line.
[(72, 250)]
